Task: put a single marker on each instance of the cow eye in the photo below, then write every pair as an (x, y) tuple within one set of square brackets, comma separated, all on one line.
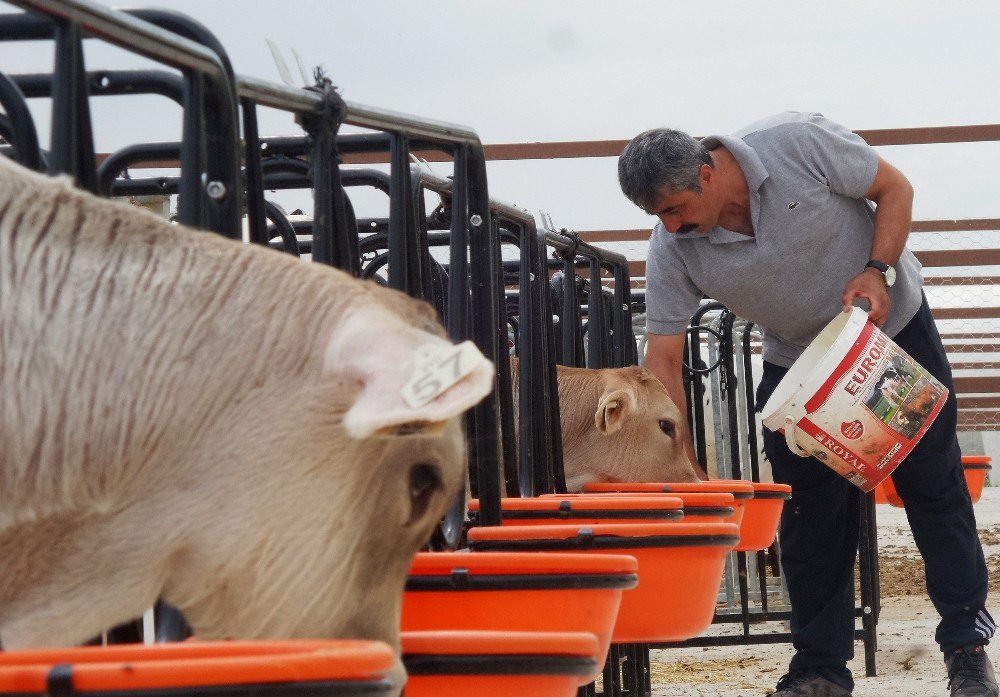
[(424, 481), (669, 428)]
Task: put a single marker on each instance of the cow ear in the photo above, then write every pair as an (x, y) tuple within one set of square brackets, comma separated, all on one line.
[(395, 363), (615, 406)]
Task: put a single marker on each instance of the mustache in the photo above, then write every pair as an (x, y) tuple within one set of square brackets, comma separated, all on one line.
[(690, 227)]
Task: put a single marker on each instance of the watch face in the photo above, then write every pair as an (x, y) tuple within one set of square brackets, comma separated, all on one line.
[(890, 276)]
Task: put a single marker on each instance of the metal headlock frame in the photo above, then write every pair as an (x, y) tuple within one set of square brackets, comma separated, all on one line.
[(730, 374), (208, 161)]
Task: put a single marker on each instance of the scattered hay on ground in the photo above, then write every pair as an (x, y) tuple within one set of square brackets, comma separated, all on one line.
[(743, 672), (903, 575), (990, 536)]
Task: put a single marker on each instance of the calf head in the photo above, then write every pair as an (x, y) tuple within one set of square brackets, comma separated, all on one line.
[(633, 435), (365, 478), (294, 513)]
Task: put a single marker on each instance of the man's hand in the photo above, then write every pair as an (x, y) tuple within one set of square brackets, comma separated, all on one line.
[(869, 284)]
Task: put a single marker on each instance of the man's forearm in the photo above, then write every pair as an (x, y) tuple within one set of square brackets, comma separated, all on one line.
[(893, 218)]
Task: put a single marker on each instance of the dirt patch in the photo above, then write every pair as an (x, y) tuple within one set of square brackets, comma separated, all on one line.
[(903, 575), (990, 536), (744, 673)]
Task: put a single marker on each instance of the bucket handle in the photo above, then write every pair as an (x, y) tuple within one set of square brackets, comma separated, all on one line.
[(790, 437)]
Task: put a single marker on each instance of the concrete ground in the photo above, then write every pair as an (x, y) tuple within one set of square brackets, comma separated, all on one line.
[(908, 661)]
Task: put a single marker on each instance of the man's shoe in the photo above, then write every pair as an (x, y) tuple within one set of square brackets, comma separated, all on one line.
[(808, 684), (970, 673)]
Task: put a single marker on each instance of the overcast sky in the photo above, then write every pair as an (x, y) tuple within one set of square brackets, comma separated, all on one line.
[(531, 70)]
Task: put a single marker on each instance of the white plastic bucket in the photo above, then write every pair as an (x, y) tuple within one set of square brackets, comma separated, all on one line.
[(855, 401)]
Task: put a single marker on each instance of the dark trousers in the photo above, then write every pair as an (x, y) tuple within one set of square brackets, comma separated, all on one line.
[(820, 528)]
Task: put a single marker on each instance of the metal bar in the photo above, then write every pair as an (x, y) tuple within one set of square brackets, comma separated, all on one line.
[(739, 640), (400, 214), (596, 357), (256, 219), (110, 83), (952, 257), (115, 27), (485, 299), (72, 142), (324, 179), (938, 225), (292, 99), (571, 328), (613, 148), (189, 201), (24, 136)]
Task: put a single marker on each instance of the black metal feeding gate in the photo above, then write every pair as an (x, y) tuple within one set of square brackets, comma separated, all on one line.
[(210, 189), (574, 322), (731, 343)]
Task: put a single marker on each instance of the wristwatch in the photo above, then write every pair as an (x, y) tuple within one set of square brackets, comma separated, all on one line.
[(888, 273)]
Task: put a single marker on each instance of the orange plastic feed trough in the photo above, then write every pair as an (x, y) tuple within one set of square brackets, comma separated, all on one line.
[(762, 516), (587, 510), (680, 568), (758, 506), (975, 468), (697, 502), (459, 664), (228, 668), (697, 507), (517, 591)]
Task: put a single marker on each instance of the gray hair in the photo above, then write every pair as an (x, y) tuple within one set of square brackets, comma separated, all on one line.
[(657, 159)]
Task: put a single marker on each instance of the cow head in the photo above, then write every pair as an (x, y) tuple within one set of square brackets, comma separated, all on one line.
[(364, 478), (633, 435)]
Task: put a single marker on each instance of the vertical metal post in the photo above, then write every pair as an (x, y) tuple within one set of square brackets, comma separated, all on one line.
[(570, 310), (257, 220), (596, 330), (190, 208), (485, 287), (400, 214), (868, 570), (508, 443), (24, 134), (72, 139), (554, 431)]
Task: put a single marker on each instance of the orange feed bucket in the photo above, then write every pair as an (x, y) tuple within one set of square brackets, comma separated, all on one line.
[(586, 510), (697, 504), (975, 468), (680, 568), (517, 591), (459, 664), (762, 516), (226, 668), (975, 478)]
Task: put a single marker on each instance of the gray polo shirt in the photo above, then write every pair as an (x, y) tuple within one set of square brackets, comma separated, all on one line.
[(807, 177)]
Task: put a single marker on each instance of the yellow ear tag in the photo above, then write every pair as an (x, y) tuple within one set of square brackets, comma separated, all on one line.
[(436, 368)]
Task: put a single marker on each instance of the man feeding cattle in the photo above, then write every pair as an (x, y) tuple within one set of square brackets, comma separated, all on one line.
[(776, 222), (262, 443)]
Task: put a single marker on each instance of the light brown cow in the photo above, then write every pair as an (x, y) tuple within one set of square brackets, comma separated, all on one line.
[(185, 417), (618, 425)]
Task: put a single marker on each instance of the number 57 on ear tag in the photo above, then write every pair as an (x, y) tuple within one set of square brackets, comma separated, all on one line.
[(436, 368)]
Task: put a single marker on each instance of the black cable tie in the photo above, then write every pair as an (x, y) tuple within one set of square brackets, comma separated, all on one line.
[(334, 109), (59, 681), (460, 578)]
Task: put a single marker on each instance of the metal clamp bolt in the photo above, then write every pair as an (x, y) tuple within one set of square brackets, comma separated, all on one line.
[(216, 190), (476, 220)]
